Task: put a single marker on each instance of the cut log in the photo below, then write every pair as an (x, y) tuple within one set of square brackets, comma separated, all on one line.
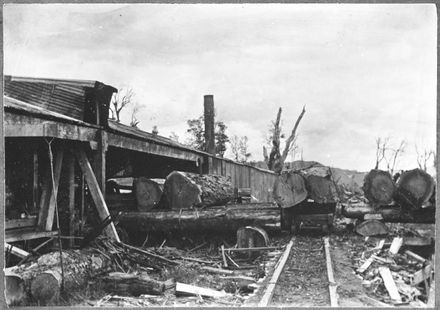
[(391, 214), (289, 189), (321, 189), (221, 219), (15, 293), (372, 228), (45, 287), (184, 190), (414, 188), (43, 279), (127, 284), (186, 289), (148, 192), (379, 187)]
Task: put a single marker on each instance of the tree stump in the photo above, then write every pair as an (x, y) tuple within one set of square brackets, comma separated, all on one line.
[(184, 190), (414, 188), (148, 192), (379, 187)]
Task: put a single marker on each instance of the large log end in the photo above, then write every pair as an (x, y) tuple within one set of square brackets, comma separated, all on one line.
[(15, 293), (414, 188), (379, 187), (45, 287)]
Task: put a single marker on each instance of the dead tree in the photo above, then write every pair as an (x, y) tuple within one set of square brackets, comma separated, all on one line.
[(423, 158), (393, 155), (275, 161), (119, 101), (381, 145)]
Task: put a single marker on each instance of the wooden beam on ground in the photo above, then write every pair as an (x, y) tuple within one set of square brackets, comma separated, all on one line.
[(71, 180), (267, 297), (332, 286), (16, 251), (95, 192), (389, 283), (47, 209)]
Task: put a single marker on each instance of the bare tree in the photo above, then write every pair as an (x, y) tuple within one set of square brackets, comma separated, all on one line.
[(239, 148), (423, 158), (173, 136), (381, 147), (119, 101), (393, 154), (275, 161), (134, 113)]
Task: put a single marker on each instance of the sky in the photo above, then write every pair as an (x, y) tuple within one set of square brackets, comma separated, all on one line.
[(362, 71)]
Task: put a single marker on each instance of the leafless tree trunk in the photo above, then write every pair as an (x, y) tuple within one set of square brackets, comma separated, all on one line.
[(276, 160), (381, 146), (119, 101), (423, 158), (394, 154)]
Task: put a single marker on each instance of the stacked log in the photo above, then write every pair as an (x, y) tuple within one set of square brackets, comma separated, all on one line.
[(224, 218), (379, 187), (289, 189), (414, 188), (148, 192), (183, 190)]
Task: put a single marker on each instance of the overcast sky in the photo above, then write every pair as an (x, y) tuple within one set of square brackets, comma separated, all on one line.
[(362, 71)]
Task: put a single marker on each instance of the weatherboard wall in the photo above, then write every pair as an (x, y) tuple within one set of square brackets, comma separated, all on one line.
[(243, 176)]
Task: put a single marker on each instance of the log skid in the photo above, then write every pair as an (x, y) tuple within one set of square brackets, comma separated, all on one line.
[(184, 190), (379, 187), (391, 214), (226, 218)]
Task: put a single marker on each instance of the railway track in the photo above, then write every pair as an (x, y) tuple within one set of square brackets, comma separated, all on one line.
[(301, 275)]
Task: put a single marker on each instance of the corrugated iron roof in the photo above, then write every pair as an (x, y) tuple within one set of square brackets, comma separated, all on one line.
[(67, 97), (132, 131), (17, 105)]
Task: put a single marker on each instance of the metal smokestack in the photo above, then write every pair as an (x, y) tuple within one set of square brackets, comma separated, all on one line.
[(209, 124)]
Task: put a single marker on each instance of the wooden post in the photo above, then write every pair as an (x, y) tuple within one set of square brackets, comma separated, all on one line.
[(209, 124), (95, 192), (47, 207), (35, 181), (71, 178), (99, 162)]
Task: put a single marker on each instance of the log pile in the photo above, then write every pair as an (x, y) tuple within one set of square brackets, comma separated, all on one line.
[(295, 186), (413, 189)]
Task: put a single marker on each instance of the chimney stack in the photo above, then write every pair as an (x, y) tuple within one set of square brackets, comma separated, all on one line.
[(209, 124)]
